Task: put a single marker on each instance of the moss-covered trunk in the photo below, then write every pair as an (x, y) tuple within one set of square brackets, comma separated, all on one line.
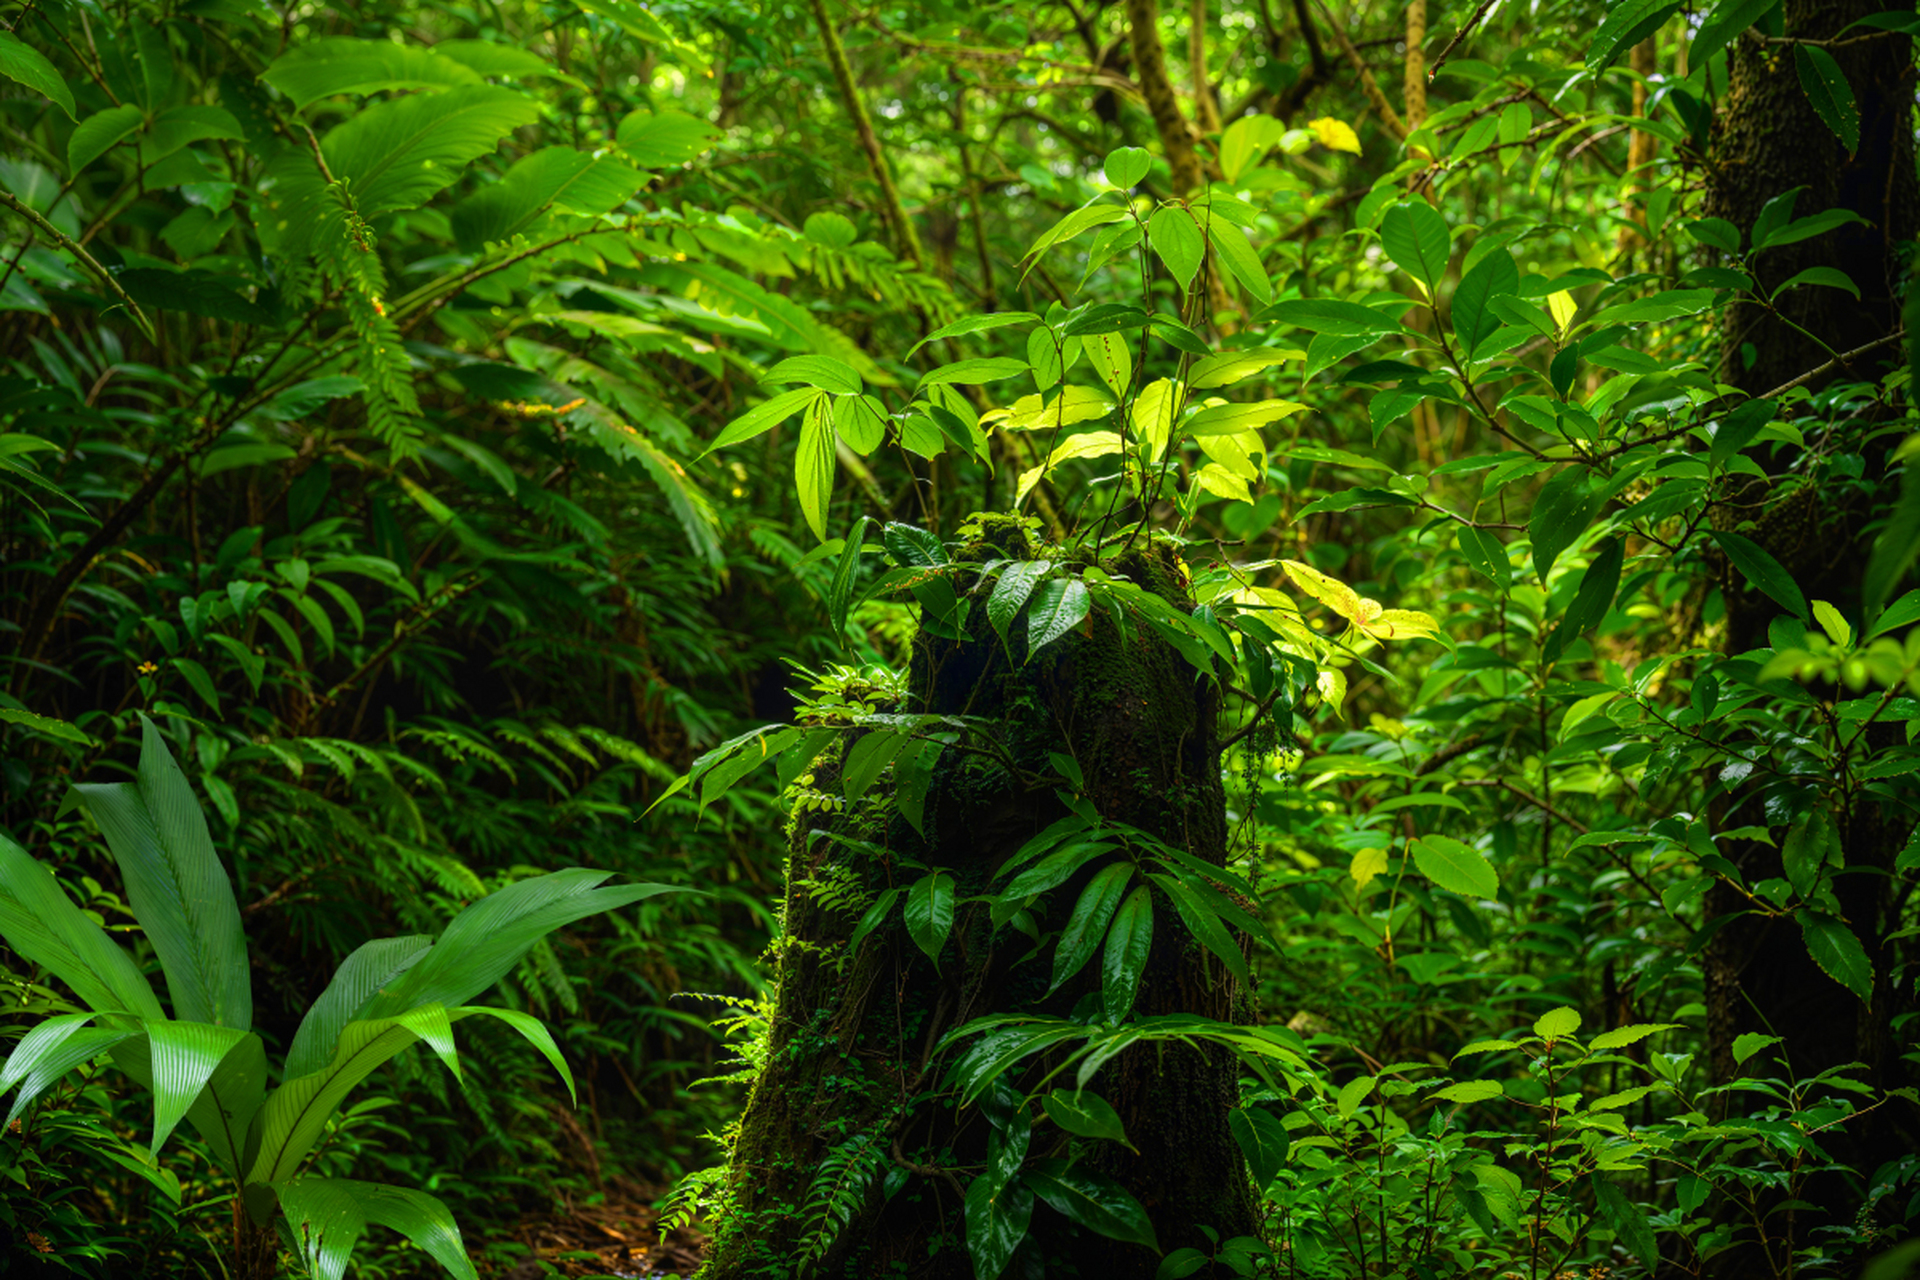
[(847, 1116)]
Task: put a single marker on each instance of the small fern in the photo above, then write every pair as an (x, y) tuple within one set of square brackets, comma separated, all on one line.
[(346, 249), (838, 1191)]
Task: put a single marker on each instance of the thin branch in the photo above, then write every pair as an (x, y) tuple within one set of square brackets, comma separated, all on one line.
[(67, 242), (1458, 36)]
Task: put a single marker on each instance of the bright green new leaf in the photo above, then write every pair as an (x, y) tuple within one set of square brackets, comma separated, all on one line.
[(664, 139), (764, 417), (930, 913), (1456, 867), (1126, 166), (1177, 242), (1557, 1024), (183, 1057), (814, 464), (23, 64), (1417, 239)]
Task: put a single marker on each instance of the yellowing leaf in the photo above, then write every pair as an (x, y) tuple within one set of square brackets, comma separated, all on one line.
[(1217, 480), (1332, 684), (1397, 624), (1332, 592), (1335, 135), (1070, 405), (1153, 412), (1367, 864), (1563, 308)]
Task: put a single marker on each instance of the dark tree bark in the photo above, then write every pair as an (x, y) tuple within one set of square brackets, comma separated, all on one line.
[(851, 1049), (1759, 975)]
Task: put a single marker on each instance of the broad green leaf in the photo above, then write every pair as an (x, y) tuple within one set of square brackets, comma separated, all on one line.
[(1245, 141), (23, 64), (100, 133), (370, 967), (1565, 505), (1054, 869), (1817, 224), (1230, 419), (1470, 1091), (824, 372), (874, 917), (997, 1218), (1494, 276), (914, 547), (1837, 950), (1059, 606), (1738, 429), (493, 58), (226, 1105), (40, 922), (1594, 597), (1010, 594), (1126, 166), (1205, 924), (1810, 846), (1829, 277), (1557, 1024), (1091, 1200), (1129, 941), (1088, 923), (1263, 1140), (814, 464), (1353, 1094), (1237, 256), (316, 69), (1085, 1115), (176, 886), (1228, 367), (1827, 89), (975, 324), (183, 1057), (664, 139), (861, 422), (54, 1056), (48, 725), (1627, 23), (1082, 219), (1763, 571), (763, 417), (1621, 1037), (868, 756), (1456, 867), (400, 153), (1417, 239), (1177, 242), (551, 177), (1729, 19), (1629, 1222), (973, 372), (1745, 1046), (1484, 550), (1331, 316), (930, 912), (327, 1217)]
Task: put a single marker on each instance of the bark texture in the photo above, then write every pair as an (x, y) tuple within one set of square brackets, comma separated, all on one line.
[(1150, 72), (1759, 976), (906, 240), (850, 1060)]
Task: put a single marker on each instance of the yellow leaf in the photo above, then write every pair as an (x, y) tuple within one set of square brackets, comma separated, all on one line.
[(1332, 592), (1153, 413), (1222, 483), (1563, 307), (1398, 624), (1367, 864), (1335, 135), (1332, 684)]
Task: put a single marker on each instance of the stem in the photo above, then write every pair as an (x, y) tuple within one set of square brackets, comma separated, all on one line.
[(87, 260), (1150, 70), (906, 241)]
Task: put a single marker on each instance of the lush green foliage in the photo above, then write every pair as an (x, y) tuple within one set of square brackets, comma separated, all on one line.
[(443, 420)]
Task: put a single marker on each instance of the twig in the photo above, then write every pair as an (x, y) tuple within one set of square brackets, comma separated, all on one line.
[(1458, 36), (70, 245), (1542, 805), (1367, 83)]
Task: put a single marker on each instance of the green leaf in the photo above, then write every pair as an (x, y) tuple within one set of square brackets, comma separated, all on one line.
[(400, 153), (1814, 224), (1829, 277), (1263, 1140), (176, 886), (1128, 943), (1827, 89), (1093, 1201), (1629, 1223), (1054, 869), (1230, 419), (316, 69), (99, 133), (1494, 276), (1417, 239), (1230, 246), (534, 1032), (1627, 23), (814, 463), (1486, 553), (1763, 571), (1126, 166), (55, 1053), (1080, 220), (1010, 594), (763, 417), (913, 547), (1836, 949), (874, 917), (327, 1217), (1059, 606), (48, 725), (183, 1057), (1469, 1091), (1752, 1042), (40, 922), (23, 64), (1811, 844), (1177, 242), (930, 912), (370, 967), (1557, 1024), (1565, 505), (973, 372), (1898, 544), (997, 1217), (1455, 867), (867, 758), (1598, 583), (1738, 428), (1088, 923), (1204, 924), (1621, 1037), (975, 324), (1729, 19), (552, 176), (1330, 316), (664, 139), (1085, 1115), (824, 372)]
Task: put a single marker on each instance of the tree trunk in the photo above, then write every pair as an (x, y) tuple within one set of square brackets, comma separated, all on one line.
[(851, 1070), (1150, 72), (1759, 975)]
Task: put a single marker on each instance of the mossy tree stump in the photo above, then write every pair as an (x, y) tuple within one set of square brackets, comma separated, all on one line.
[(850, 1158)]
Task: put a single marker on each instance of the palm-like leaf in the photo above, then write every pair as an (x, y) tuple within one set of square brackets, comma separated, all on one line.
[(327, 1216), (40, 922)]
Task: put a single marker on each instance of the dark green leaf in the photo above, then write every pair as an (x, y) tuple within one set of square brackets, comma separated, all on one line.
[(1738, 428), (1085, 1115), (1763, 571), (1010, 593), (1125, 959), (1827, 89), (1058, 607), (1088, 923), (1495, 275), (1484, 550), (1627, 23), (1093, 1201), (1328, 315), (1417, 239), (1561, 512), (1837, 950), (1729, 19), (22, 63), (1263, 1140), (930, 912), (1628, 1221)]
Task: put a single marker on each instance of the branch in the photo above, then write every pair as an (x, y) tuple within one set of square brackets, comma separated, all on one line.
[(1458, 36), (68, 243), (1367, 82), (906, 240)]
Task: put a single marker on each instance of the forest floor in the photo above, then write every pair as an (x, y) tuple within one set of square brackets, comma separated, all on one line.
[(616, 1236)]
